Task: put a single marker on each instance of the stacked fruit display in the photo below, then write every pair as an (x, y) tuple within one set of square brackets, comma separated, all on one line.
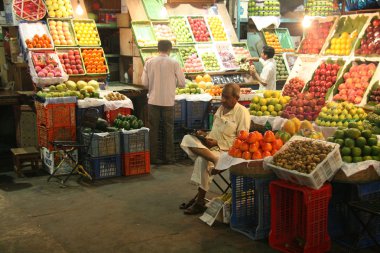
[(199, 29), (86, 33), (315, 37), (214, 90), (272, 40), (94, 61), (61, 33), (182, 32), (281, 71), (370, 43), (303, 106), (217, 28), (356, 82), (255, 146), (128, 122), (271, 104), (294, 87), (324, 77), (71, 62), (210, 61), (267, 8), (356, 145), (374, 96), (192, 62), (373, 120), (294, 126), (59, 8), (190, 88), (80, 89), (39, 42), (319, 7), (346, 34), (163, 32), (340, 115)]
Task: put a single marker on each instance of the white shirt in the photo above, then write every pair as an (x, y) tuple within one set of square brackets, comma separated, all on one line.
[(268, 74), (161, 75)]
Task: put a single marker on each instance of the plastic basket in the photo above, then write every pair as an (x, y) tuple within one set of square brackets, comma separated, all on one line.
[(343, 227), (135, 141), (178, 131), (55, 115), (47, 135), (111, 115), (143, 31), (180, 110), (103, 144), (103, 167), (80, 112), (250, 214), (153, 10), (136, 163), (324, 171), (196, 112), (299, 218)]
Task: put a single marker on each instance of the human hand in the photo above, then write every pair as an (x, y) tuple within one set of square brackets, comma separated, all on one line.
[(201, 133), (210, 143), (252, 69)]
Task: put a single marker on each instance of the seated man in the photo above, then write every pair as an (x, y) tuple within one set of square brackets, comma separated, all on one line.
[(230, 118)]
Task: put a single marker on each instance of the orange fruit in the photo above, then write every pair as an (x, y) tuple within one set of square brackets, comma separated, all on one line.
[(198, 79)]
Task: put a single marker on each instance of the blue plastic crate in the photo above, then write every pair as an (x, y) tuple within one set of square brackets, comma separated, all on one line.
[(103, 167), (180, 110), (135, 142), (343, 227), (197, 114), (80, 112), (250, 214)]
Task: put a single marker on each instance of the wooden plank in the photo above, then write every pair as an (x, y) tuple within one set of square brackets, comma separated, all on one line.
[(126, 41), (136, 10), (138, 68), (222, 11), (191, 1)]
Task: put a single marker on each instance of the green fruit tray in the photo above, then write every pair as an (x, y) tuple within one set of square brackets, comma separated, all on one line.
[(222, 25), (71, 30), (62, 50), (208, 29), (154, 8), (147, 53), (105, 62), (143, 30), (181, 48), (157, 23), (177, 31), (209, 48), (95, 29)]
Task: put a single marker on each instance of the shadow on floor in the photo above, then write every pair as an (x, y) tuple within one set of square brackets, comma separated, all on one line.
[(7, 184)]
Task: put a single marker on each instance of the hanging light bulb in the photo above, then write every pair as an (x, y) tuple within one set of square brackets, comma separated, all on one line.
[(306, 22), (79, 9)]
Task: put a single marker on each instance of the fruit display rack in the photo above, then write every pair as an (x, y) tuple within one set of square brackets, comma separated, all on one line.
[(153, 9), (30, 31), (226, 56), (191, 60), (62, 32), (181, 29), (86, 33), (71, 60), (369, 44), (144, 34), (201, 32), (217, 28), (147, 53), (210, 57), (94, 61)]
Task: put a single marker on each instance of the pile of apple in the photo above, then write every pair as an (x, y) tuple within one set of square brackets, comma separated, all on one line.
[(304, 106), (45, 65), (181, 30), (267, 8), (294, 87), (340, 115), (71, 62), (60, 32), (370, 43), (163, 32), (192, 62), (319, 8), (210, 61), (199, 29), (217, 29), (324, 77), (375, 95), (59, 8), (315, 37), (356, 82), (86, 33)]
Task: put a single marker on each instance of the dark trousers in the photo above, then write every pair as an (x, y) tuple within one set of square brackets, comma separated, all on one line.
[(166, 114)]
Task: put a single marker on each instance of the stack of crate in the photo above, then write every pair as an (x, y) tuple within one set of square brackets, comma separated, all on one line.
[(135, 152)]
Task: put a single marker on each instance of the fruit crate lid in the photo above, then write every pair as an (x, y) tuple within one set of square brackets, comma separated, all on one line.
[(284, 37), (71, 30), (187, 27), (61, 50), (143, 29), (154, 9)]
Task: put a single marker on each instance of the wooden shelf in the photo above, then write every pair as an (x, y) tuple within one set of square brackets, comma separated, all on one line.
[(106, 26), (112, 55), (224, 73)]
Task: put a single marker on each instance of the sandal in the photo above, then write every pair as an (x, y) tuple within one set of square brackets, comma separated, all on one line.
[(196, 208), (188, 204)]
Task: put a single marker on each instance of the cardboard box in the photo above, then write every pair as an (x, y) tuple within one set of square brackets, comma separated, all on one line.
[(123, 20), (51, 159), (138, 68)]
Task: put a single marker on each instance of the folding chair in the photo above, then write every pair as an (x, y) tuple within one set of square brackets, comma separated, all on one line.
[(89, 120)]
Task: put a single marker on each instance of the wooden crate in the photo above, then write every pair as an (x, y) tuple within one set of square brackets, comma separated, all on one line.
[(128, 46), (138, 68)]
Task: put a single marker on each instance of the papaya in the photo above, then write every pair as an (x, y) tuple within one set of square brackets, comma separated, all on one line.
[(289, 127), (297, 123)]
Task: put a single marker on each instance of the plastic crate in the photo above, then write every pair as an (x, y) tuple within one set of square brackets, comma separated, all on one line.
[(55, 115), (178, 132), (324, 171), (343, 226), (299, 218), (196, 114), (180, 110), (47, 135), (135, 141), (80, 112), (103, 144), (250, 213), (179, 154), (103, 167), (284, 37), (111, 115), (136, 163)]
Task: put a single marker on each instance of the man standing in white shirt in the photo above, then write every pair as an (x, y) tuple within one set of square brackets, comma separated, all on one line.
[(267, 78), (161, 76)]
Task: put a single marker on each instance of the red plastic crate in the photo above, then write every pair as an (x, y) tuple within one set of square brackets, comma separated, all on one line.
[(55, 115), (111, 115), (47, 135), (299, 218), (136, 163)]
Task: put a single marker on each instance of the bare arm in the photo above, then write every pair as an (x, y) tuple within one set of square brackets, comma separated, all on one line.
[(144, 77)]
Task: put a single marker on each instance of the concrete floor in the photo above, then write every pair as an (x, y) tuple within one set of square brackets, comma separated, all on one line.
[(136, 214)]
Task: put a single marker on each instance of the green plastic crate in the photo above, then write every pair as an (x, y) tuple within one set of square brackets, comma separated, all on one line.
[(284, 37), (143, 30), (153, 9)]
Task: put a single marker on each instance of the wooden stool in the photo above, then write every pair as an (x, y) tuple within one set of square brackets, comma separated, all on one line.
[(22, 155)]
